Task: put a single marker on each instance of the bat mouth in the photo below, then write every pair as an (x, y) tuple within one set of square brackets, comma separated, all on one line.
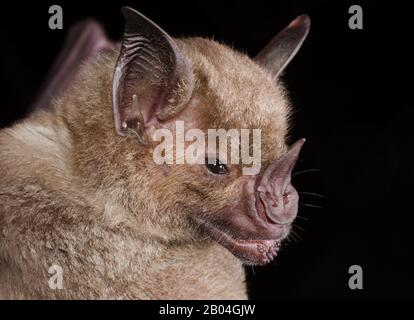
[(250, 251)]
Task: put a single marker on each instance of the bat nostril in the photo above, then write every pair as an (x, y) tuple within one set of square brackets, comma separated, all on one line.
[(272, 199), (286, 198)]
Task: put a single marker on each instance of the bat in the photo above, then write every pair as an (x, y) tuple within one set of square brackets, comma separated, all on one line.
[(86, 212)]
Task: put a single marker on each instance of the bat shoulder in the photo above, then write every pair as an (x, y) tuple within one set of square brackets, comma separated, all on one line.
[(35, 169), (31, 148)]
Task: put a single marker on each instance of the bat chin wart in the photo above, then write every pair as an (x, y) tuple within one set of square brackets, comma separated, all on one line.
[(249, 251)]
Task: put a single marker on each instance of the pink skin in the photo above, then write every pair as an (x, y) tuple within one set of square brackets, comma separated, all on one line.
[(254, 229)]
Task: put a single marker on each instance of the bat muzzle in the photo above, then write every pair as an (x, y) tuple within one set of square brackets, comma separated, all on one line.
[(276, 198), (253, 229)]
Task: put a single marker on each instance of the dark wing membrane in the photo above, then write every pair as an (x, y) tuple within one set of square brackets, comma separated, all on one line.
[(84, 41)]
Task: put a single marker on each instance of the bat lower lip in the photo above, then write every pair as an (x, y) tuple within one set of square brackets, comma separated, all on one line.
[(250, 252)]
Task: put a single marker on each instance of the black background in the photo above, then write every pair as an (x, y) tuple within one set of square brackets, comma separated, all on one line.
[(350, 89)]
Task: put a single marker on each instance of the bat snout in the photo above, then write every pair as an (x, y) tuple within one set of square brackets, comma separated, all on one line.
[(277, 205), (276, 198), (253, 228)]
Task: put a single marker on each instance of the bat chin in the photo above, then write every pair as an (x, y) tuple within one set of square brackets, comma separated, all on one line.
[(250, 252)]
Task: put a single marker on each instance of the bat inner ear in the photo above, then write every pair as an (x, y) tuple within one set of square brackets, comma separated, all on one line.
[(152, 81)]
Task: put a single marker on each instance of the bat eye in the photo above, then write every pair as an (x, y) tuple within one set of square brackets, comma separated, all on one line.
[(216, 166)]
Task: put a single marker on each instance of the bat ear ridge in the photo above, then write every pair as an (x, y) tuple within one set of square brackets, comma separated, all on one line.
[(152, 81), (277, 54)]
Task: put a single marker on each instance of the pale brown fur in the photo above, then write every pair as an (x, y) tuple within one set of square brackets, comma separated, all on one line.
[(75, 194)]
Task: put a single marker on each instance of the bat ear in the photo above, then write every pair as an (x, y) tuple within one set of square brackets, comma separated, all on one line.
[(283, 47), (152, 80)]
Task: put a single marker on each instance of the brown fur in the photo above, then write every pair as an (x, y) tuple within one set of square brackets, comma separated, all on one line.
[(74, 193)]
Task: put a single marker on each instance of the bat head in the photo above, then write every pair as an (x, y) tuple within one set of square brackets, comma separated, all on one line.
[(199, 139)]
